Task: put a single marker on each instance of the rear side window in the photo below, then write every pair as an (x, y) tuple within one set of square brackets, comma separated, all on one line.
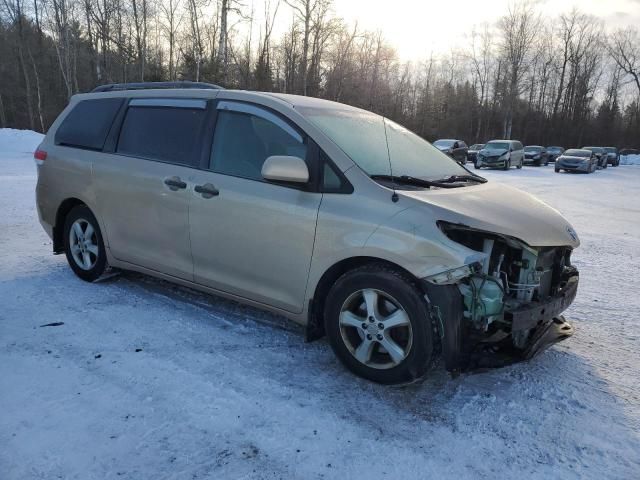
[(167, 134), (88, 123)]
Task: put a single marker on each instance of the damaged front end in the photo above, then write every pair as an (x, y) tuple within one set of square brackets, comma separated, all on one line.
[(505, 308)]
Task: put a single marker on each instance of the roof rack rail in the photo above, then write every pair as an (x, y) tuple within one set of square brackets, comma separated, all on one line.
[(112, 87)]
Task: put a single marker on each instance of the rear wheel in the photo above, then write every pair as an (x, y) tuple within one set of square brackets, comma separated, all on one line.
[(83, 244), (378, 324)]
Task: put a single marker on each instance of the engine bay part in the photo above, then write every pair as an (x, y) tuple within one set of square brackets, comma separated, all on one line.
[(517, 292)]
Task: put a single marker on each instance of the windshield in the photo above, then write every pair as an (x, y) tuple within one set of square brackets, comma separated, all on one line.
[(532, 149), (382, 147), (477, 146), (593, 149), (610, 149), (444, 143), (578, 153), (497, 146), (554, 149)]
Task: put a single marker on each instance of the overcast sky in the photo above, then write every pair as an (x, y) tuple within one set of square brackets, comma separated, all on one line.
[(418, 27)]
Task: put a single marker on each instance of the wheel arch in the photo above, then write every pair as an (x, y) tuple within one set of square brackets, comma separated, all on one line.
[(63, 210), (314, 328)]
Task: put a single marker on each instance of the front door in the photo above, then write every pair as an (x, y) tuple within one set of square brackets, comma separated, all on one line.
[(249, 237)]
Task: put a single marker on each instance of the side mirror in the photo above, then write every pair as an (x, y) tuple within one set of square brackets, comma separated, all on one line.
[(284, 168)]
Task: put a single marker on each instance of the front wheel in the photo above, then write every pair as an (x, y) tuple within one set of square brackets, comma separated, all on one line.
[(507, 165), (476, 165), (378, 325), (557, 170), (83, 244)]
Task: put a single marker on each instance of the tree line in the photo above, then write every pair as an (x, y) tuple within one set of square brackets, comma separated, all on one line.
[(550, 81)]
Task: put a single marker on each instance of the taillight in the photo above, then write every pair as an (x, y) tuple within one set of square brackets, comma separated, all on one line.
[(40, 156)]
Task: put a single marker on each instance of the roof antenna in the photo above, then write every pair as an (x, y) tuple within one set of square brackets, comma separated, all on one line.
[(394, 195)]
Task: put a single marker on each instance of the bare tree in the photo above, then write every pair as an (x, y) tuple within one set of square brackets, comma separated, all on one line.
[(481, 56), (519, 28), (624, 48)]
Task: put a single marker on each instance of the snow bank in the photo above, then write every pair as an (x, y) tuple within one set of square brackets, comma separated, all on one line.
[(629, 159), (19, 141)]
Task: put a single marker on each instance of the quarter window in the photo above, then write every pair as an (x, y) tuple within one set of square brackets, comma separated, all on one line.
[(243, 141), (165, 133), (88, 123)]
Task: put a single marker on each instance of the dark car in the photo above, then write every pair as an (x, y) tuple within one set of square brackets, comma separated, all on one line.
[(554, 152), (613, 158), (536, 155), (629, 151), (577, 160), (472, 153), (456, 149), (600, 154)]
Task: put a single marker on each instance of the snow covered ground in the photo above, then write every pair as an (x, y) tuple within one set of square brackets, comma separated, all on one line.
[(145, 380), (629, 159)]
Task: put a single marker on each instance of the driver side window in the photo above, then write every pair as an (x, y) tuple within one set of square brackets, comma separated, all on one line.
[(243, 141)]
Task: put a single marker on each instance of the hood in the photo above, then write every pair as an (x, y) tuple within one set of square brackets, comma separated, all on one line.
[(502, 209)]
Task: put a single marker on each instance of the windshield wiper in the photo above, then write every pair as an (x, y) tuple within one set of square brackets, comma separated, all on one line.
[(462, 178), (418, 182)]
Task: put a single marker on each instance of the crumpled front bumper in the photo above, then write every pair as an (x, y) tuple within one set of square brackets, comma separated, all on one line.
[(542, 321)]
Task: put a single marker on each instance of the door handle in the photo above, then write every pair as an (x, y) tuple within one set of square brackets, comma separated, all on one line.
[(207, 190), (175, 183)]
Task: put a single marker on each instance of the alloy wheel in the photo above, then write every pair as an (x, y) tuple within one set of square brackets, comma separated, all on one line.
[(83, 243), (375, 328)]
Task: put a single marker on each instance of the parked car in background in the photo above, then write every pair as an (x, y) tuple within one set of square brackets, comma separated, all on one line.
[(456, 149), (472, 153), (554, 152), (577, 160), (629, 151), (501, 154), (600, 154), (335, 217), (613, 158), (536, 155)]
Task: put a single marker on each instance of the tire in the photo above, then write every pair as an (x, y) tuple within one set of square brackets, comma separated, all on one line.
[(476, 165), (358, 341), (605, 164), (557, 170), (87, 258), (520, 165), (507, 165), (546, 163)]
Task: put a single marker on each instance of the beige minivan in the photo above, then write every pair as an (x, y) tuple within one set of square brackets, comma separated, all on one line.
[(332, 216)]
